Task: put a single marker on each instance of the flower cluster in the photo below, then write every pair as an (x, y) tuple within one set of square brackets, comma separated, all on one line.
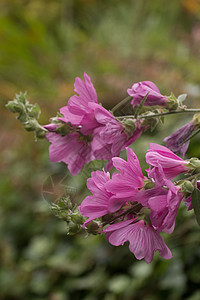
[(127, 206), (91, 132), (138, 208)]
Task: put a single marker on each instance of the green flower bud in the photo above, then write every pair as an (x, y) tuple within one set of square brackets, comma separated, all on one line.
[(187, 187), (129, 125), (172, 104), (34, 111), (194, 165), (72, 228), (31, 125), (77, 218)]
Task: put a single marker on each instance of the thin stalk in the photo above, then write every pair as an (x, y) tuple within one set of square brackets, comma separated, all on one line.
[(124, 213), (188, 110), (190, 137)]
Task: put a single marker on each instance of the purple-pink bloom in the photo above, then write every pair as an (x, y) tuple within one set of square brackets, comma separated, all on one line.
[(78, 111), (96, 206), (110, 137), (143, 239), (70, 150), (139, 91), (175, 140), (171, 164), (93, 130), (164, 208), (188, 201), (126, 184)]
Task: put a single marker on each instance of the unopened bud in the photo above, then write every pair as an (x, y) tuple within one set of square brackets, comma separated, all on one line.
[(31, 125), (93, 228), (187, 187), (34, 111), (194, 165), (129, 125), (72, 228), (172, 103)]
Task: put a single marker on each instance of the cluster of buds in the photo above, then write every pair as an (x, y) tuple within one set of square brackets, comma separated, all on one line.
[(66, 211), (28, 114)]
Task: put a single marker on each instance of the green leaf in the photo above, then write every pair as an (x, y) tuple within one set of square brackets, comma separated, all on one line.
[(196, 203), (140, 105), (181, 98)]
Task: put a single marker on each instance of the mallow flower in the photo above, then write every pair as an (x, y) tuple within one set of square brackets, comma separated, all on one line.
[(175, 141), (139, 90), (143, 239), (92, 131), (171, 164), (96, 205)]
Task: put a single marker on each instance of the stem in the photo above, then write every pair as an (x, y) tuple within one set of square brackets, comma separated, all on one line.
[(190, 137), (188, 178), (124, 101), (124, 213), (189, 110)]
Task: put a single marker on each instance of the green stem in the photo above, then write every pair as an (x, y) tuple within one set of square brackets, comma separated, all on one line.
[(124, 213), (190, 137), (189, 110)]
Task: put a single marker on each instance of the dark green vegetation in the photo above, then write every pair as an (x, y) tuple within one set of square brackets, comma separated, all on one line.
[(44, 45)]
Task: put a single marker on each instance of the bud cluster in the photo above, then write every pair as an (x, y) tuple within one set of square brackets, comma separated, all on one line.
[(28, 114), (65, 210)]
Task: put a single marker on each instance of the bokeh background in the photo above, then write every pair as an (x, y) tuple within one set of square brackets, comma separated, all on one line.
[(44, 45)]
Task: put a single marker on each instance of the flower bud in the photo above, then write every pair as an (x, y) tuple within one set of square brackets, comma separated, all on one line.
[(172, 104), (194, 165), (72, 228), (77, 218), (34, 111), (31, 125), (187, 187), (129, 125), (93, 228)]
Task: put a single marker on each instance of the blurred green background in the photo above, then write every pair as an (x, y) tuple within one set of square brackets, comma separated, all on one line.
[(44, 45)]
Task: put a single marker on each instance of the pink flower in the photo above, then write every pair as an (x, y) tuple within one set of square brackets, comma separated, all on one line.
[(92, 130), (78, 111), (111, 137), (139, 91), (175, 140), (143, 239), (171, 164), (126, 184), (164, 208), (96, 206), (70, 150)]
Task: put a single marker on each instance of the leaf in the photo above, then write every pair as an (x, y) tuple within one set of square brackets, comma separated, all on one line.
[(196, 204), (181, 98)]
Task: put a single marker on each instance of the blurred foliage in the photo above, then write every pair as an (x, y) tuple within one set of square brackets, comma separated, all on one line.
[(44, 45)]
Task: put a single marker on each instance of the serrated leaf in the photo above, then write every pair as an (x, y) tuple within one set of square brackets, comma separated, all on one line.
[(196, 204)]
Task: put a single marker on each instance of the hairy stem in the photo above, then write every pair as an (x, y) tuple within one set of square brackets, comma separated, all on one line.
[(186, 110)]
